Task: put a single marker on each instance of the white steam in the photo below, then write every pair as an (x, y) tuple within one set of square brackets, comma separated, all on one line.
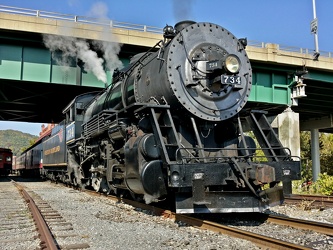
[(99, 10), (110, 54), (92, 63), (75, 48), (72, 48), (110, 50)]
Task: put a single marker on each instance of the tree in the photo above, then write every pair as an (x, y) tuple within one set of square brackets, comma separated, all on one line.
[(17, 141), (326, 153), (306, 170), (31, 142)]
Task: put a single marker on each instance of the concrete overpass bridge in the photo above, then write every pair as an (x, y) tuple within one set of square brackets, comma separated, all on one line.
[(35, 88)]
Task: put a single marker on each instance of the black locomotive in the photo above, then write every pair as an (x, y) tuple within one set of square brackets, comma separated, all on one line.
[(172, 126)]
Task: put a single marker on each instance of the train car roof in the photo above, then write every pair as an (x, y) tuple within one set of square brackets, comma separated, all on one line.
[(5, 149), (48, 133), (77, 98)]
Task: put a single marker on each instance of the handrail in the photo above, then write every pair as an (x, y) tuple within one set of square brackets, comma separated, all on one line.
[(131, 26)]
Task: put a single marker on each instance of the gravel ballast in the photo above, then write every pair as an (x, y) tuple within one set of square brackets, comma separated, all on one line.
[(105, 224)]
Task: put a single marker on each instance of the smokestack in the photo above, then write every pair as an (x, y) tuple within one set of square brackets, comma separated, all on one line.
[(182, 25)]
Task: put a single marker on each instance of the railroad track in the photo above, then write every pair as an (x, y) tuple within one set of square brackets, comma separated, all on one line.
[(49, 226), (17, 228), (46, 238), (260, 240), (310, 201), (319, 227)]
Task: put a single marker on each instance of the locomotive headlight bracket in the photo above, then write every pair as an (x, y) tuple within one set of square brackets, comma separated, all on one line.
[(232, 64)]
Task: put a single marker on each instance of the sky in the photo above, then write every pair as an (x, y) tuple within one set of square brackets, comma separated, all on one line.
[(285, 22)]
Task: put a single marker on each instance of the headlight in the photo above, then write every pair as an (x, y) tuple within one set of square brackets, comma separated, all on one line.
[(232, 64)]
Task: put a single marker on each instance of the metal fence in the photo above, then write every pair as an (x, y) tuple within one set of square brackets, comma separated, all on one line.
[(80, 19), (130, 26)]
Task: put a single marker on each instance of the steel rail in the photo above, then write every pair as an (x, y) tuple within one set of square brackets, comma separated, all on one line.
[(260, 240), (316, 200), (313, 197), (320, 227), (45, 235), (257, 239)]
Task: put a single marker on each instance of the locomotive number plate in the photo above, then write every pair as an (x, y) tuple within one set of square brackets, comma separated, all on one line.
[(226, 79)]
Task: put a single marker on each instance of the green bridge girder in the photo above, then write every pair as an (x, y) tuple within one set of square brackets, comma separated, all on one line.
[(270, 87), (27, 63)]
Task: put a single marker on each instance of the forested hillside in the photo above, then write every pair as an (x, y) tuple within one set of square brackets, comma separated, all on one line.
[(17, 141)]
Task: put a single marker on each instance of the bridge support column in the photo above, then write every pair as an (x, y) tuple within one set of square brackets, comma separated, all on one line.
[(315, 154), (287, 124)]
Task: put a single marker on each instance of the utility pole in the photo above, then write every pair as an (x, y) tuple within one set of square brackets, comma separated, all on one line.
[(314, 30)]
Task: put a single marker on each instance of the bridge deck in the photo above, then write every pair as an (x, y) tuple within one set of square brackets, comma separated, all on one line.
[(26, 63)]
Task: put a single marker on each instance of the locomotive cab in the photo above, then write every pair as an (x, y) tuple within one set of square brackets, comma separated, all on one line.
[(74, 115)]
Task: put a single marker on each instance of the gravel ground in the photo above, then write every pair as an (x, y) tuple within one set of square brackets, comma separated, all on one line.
[(297, 236), (312, 240), (105, 224), (17, 228), (298, 212)]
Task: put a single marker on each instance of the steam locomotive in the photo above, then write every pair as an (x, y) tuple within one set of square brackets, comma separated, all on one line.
[(172, 126)]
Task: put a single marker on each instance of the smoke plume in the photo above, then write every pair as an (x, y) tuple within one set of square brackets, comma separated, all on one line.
[(75, 48), (99, 10), (71, 47), (182, 9)]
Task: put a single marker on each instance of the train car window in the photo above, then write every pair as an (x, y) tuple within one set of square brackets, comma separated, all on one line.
[(72, 114), (79, 111)]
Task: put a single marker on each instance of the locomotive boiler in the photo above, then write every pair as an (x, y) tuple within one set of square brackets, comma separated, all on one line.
[(172, 126)]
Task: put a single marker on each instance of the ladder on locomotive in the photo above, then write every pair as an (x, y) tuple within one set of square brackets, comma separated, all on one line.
[(166, 131), (267, 138)]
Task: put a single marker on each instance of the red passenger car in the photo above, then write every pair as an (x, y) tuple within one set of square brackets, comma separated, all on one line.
[(6, 157)]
